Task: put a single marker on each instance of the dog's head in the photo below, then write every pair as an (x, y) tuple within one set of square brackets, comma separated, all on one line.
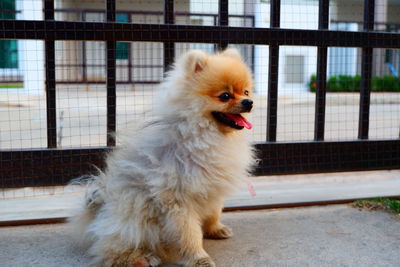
[(218, 86)]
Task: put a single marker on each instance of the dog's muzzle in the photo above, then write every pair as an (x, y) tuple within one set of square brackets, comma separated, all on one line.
[(247, 105)]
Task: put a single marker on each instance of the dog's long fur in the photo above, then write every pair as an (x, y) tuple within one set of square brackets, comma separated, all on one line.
[(164, 185)]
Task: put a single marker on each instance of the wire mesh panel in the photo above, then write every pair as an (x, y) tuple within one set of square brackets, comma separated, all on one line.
[(325, 79), (342, 97), (295, 108), (22, 101)]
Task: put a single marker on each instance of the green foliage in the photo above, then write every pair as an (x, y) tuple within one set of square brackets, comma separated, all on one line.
[(313, 83), (387, 83), (391, 204), (349, 83), (17, 85), (380, 203)]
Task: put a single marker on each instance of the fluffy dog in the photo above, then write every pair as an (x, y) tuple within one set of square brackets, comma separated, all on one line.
[(163, 187)]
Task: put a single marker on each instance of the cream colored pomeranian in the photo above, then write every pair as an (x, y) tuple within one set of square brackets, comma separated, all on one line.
[(163, 187)]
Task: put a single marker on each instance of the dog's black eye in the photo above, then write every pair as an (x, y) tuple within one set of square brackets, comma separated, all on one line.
[(224, 97), (246, 92)]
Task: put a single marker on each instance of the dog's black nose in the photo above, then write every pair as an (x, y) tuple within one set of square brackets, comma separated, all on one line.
[(247, 104)]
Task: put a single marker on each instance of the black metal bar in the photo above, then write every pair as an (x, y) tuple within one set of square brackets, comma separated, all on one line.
[(41, 167), (51, 112), (130, 64), (110, 10), (50, 74), (169, 54), (223, 20), (273, 70), (365, 92), (366, 72), (223, 12), (102, 65), (145, 12), (314, 156), (272, 106), (48, 9), (322, 62), (169, 12), (320, 94), (103, 31), (111, 78), (323, 14), (169, 47), (253, 65), (84, 59), (102, 82), (369, 15), (275, 13)]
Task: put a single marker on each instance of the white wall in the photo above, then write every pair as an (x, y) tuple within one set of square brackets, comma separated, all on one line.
[(235, 7), (343, 60), (294, 15), (31, 52)]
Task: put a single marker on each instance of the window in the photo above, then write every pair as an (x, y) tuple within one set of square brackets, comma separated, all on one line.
[(343, 60), (122, 48), (8, 48), (294, 69)]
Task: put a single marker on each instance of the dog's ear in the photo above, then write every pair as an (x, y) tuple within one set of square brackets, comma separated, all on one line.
[(231, 52), (194, 61)]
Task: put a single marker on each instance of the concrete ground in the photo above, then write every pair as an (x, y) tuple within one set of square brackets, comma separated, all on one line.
[(336, 235)]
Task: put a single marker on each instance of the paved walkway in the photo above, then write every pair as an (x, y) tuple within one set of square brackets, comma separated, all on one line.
[(336, 235)]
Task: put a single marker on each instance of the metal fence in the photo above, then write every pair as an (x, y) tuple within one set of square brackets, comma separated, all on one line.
[(129, 68), (53, 166)]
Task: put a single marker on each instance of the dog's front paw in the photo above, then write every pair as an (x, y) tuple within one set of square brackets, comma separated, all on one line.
[(222, 232), (203, 262), (140, 262)]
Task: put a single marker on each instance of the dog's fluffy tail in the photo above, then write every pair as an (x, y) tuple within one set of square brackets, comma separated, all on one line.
[(93, 201)]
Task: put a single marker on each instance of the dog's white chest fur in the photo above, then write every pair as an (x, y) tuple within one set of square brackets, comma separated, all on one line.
[(197, 160)]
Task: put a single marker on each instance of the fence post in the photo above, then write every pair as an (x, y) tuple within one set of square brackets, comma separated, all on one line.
[(273, 69), (366, 72), (320, 94), (111, 77), (50, 76), (169, 47), (223, 19)]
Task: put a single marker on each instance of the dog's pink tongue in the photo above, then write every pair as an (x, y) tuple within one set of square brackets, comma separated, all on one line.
[(239, 120)]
